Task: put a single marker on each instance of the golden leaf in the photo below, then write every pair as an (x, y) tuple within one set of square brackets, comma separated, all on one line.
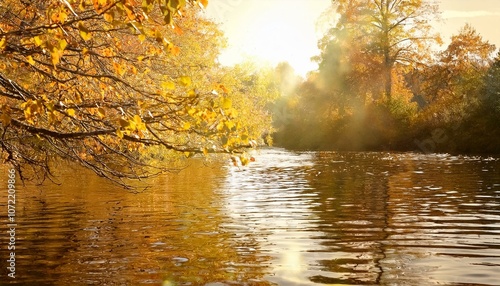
[(31, 61), (101, 112), (226, 103), (5, 119), (38, 41), (185, 80), (133, 70), (119, 133), (84, 32), (124, 123), (108, 17), (168, 85), (137, 119), (175, 51), (71, 112), (63, 44), (56, 56), (244, 160), (119, 69), (59, 17)]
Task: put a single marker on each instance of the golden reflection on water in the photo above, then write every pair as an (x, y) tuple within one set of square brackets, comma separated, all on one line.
[(288, 219), (88, 231)]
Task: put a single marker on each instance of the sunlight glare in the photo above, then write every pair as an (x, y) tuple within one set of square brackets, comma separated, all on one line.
[(273, 31)]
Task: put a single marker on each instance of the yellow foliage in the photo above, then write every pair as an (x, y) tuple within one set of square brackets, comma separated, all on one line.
[(97, 71), (30, 60), (5, 119), (56, 55), (63, 44), (119, 133), (168, 85), (226, 103), (101, 112), (185, 80), (38, 41)]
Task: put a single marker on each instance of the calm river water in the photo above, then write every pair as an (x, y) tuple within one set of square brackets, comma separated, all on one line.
[(287, 219)]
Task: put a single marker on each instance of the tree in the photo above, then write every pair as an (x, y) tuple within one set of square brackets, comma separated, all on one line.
[(99, 82), (379, 34), (465, 61), (454, 89), (358, 98), (491, 93), (402, 33), (453, 85)]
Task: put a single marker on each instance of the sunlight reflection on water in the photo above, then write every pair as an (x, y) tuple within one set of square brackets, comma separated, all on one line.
[(288, 219)]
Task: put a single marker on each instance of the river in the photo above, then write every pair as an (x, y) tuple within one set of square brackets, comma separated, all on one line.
[(307, 218)]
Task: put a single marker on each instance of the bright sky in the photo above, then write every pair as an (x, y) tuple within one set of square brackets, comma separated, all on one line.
[(285, 30)]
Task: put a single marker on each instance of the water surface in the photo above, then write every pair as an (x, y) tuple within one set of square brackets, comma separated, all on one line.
[(287, 219)]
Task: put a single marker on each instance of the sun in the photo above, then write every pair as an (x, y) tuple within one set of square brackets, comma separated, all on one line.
[(271, 31)]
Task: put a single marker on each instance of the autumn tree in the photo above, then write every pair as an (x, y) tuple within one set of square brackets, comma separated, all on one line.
[(373, 36), (487, 116), (99, 82), (360, 93), (490, 95), (453, 91), (252, 90), (402, 33), (453, 85)]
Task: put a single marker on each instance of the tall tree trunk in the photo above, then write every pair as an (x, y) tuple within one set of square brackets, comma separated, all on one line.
[(388, 77), (386, 48)]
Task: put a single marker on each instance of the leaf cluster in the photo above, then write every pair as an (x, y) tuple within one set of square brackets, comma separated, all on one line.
[(99, 82)]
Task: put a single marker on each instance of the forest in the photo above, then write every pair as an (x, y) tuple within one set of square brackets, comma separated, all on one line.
[(122, 86), (385, 83)]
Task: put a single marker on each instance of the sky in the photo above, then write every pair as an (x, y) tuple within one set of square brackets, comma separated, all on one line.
[(273, 31)]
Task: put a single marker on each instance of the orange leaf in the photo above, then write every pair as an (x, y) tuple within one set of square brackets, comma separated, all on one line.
[(178, 30), (175, 50)]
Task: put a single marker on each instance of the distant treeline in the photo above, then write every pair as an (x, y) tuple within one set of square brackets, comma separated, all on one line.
[(382, 86)]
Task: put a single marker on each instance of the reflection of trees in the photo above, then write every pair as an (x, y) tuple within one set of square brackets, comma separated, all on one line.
[(399, 218), (346, 218), (437, 212), (87, 232), (353, 216)]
